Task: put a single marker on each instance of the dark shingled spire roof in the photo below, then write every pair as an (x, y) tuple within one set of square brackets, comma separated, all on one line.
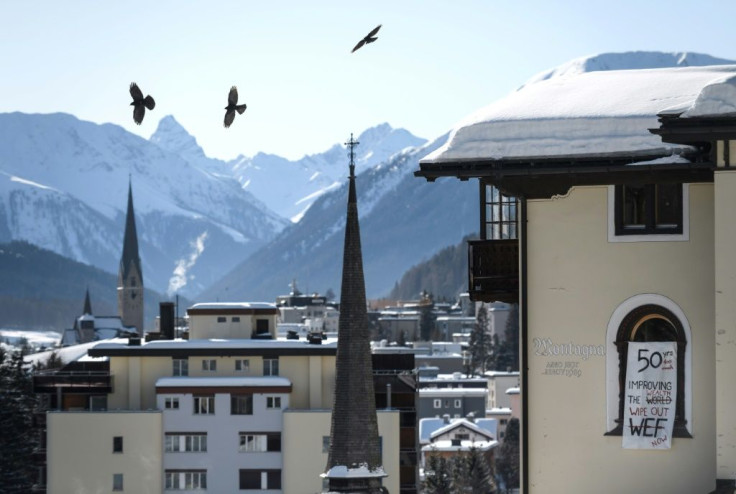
[(130, 240), (354, 432), (87, 304)]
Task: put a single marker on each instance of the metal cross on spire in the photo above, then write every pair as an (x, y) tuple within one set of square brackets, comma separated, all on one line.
[(351, 146)]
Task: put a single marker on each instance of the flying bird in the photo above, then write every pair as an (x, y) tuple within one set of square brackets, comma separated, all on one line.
[(370, 38), (232, 106), (140, 103)]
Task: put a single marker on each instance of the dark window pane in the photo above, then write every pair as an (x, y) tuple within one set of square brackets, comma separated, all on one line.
[(635, 206), (667, 205), (273, 442), (117, 444), (250, 479), (274, 479)]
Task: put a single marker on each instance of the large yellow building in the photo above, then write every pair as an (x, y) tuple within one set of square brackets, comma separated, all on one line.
[(607, 203), (231, 409)]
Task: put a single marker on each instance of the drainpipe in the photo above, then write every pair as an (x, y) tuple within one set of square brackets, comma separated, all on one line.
[(388, 396)]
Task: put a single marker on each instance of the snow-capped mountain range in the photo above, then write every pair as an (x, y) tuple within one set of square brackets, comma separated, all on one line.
[(289, 187), (64, 183), (247, 227)]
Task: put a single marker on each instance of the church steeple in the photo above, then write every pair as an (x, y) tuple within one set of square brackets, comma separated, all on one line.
[(87, 304), (354, 460), (130, 274)]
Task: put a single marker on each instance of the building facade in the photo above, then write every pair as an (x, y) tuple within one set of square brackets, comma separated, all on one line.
[(623, 238)]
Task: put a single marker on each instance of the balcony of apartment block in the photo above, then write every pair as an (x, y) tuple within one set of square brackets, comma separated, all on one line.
[(493, 270), (75, 381)]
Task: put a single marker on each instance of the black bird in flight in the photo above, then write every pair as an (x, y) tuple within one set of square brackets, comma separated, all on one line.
[(140, 103), (232, 106), (370, 38)]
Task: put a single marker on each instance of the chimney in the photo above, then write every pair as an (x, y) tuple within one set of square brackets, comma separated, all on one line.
[(446, 418), (166, 311)]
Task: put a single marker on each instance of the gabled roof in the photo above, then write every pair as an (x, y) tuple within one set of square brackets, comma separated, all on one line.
[(432, 427)]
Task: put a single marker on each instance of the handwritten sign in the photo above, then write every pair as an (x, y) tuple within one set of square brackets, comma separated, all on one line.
[(650, 395)]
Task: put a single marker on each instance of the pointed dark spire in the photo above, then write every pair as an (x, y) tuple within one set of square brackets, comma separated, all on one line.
[(130, 239), (354, 431), (87, 304)]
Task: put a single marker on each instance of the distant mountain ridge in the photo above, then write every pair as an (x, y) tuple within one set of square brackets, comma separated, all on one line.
[(63, 187), (44, 291), (289, 187)]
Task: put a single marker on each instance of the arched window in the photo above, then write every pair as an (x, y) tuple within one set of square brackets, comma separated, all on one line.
[(644, 323)]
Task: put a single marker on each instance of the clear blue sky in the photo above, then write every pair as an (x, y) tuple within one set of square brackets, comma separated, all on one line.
[(434, 62)]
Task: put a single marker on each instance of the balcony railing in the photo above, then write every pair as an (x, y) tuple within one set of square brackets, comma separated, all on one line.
[(493, 270), (75, 381)]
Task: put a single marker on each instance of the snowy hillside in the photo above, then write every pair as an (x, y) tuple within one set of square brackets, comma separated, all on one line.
[(301, 182), (63, 187), (403, 220)]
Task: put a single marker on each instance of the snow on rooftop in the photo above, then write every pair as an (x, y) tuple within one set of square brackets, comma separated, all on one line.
[(219, 382), (233, 305), (362, 471), (215, 344), (594, 113)]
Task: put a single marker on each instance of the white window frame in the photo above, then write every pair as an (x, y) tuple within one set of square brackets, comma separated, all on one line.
[(458, 403), (437, 403), (185, 443), (180, 367), (171, 403), (185, 480), (612, 357), (677, 237), (244, 365), (273, 402), (269, 365), (204, 405), (209, 365), (253, 443)]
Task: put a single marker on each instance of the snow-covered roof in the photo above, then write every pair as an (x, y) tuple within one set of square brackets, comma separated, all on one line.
[(233, 306), (221, 382), (428, 427), (465, 445), (448, 392), (214, 344), (590, 114)]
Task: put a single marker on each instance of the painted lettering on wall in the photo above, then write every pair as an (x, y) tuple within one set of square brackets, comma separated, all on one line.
[(545, 347), (650, 395)]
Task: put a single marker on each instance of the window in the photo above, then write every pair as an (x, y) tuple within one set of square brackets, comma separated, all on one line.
[(204, 405), (260, 479), (649, 209), (185, 480), (189, 443), (458, 403), (222, 319), (262, 326), (181, 367), (117, 444), (242, 365), (235, 319), (499, 214), (463, 437), (648, 322), (241, 404), (209, 365), (273, 402), (325, 444), (171, 403), (117, 481), (438, 403), (270, 367), (260, 442)]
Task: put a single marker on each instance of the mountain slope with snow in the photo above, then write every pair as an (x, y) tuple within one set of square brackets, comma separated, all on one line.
[(63, 187)]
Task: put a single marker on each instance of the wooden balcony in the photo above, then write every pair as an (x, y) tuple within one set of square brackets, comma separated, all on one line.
[(493, 270)]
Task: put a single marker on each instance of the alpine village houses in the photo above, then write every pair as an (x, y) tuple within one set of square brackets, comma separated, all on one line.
[(607, 206)]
